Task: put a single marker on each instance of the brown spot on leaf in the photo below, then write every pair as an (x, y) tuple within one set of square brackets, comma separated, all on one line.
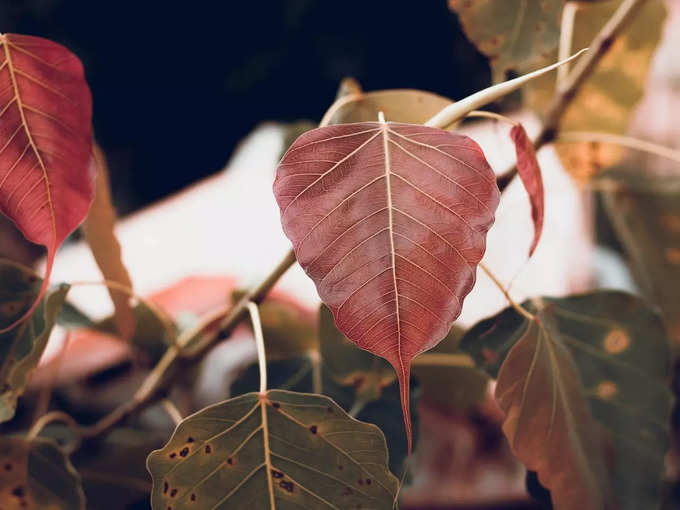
[(287, 486), (230, 461), (18, 491), (277, 474), (616, 341), (173, 493), (276, 405), (184, 451), (368, 481), (165, 486), (208, 448), (313, 429), (190, 439), (172, 455), (193, 496), (606, 390)]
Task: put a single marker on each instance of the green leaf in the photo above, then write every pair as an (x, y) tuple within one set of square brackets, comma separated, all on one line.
[(36, 475), (278, 450), (605, 101), (645, 213), (22, 347), (512, 33), (599, 358)]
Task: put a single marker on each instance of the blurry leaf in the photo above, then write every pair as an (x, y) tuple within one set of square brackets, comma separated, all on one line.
[(291, 374), (645, 213), (36, 475), (530, 173), (71, 316), (288, 329), (600, 357), (346, 363), (512, 33), (605, 101), (98, 231), (399, 105), (450, 385), (22, 347), (277, 450), (388, 219)]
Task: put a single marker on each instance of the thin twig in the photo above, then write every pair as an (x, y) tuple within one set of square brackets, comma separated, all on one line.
[(583, 69), (566, 38), (519, 308), (492, 115), (259, 342), (622, 140), (172, 411)]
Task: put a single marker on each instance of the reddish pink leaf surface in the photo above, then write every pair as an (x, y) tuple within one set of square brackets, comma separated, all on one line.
[(390, 221), (46, 182), (530, 173)]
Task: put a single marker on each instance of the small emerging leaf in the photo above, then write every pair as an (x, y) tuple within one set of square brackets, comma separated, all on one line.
[(273, 451), (36, 475), (22, 347), (530, 173)]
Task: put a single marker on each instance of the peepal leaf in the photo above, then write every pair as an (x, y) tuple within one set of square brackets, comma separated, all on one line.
[(512, 33), (46, 183), (530, 173), (389, 220), (36, 475), (585, 391), (22, 347), (280, 450)]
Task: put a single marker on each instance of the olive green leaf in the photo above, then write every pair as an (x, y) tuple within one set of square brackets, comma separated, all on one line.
[(279, 450), (585, 391), (605, 100), (22, 347), (645, 212), (398, 105), (36, 475), (512, 33)]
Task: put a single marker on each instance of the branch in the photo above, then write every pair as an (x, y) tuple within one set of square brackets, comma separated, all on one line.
[(567, 90)]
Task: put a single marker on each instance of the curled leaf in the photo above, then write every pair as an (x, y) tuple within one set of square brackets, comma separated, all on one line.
[(46, 181), (530, 173)]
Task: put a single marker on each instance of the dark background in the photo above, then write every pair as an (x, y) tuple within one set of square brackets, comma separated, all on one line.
[(176, 85)]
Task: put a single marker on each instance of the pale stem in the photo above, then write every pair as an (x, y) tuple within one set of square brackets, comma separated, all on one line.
[(491, 115), (172, 411), (622, 140), (566, 38), (315, 360), (519, 308), (259, 342)]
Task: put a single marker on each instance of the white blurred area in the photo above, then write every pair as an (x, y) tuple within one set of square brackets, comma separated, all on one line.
[(229, 225)]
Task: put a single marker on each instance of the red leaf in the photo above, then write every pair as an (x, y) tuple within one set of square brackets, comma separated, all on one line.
[(46, 183), (530, 173), (390, 221)]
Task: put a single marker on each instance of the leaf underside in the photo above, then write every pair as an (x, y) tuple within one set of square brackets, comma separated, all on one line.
[(389, 220), (46, 185), (279, 451), (585, 394), (36, 475)]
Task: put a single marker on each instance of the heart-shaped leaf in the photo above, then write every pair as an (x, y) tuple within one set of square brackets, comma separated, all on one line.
[(530, 173), (390, 221), (21, 348), (277, 450), (586, 396), (36, 475), (46, 180), (512, 33)]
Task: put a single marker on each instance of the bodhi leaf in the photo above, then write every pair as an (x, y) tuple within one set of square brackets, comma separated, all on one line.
[(389, 220), (605, 100), (530, 173), (98, 230), (36, 475), (403, 105), (46, 180), (512, 33), (585, 391), (22, 347), (645, 212), (280, 450)]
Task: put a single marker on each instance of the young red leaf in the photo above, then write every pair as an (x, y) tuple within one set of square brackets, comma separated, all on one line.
[(530, 173), (46, 183), (390, 221)]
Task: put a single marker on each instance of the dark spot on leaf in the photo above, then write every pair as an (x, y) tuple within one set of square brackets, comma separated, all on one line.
[(18, 491), (193, 497), (287, 486), (165, 486), (208, 448), (8, 467), (276, 405), (169, 508), (190, 439), (277, 474), (173, 493), (184, 452), (368, 481), (172, 455), (230, 461), (313, 429)]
